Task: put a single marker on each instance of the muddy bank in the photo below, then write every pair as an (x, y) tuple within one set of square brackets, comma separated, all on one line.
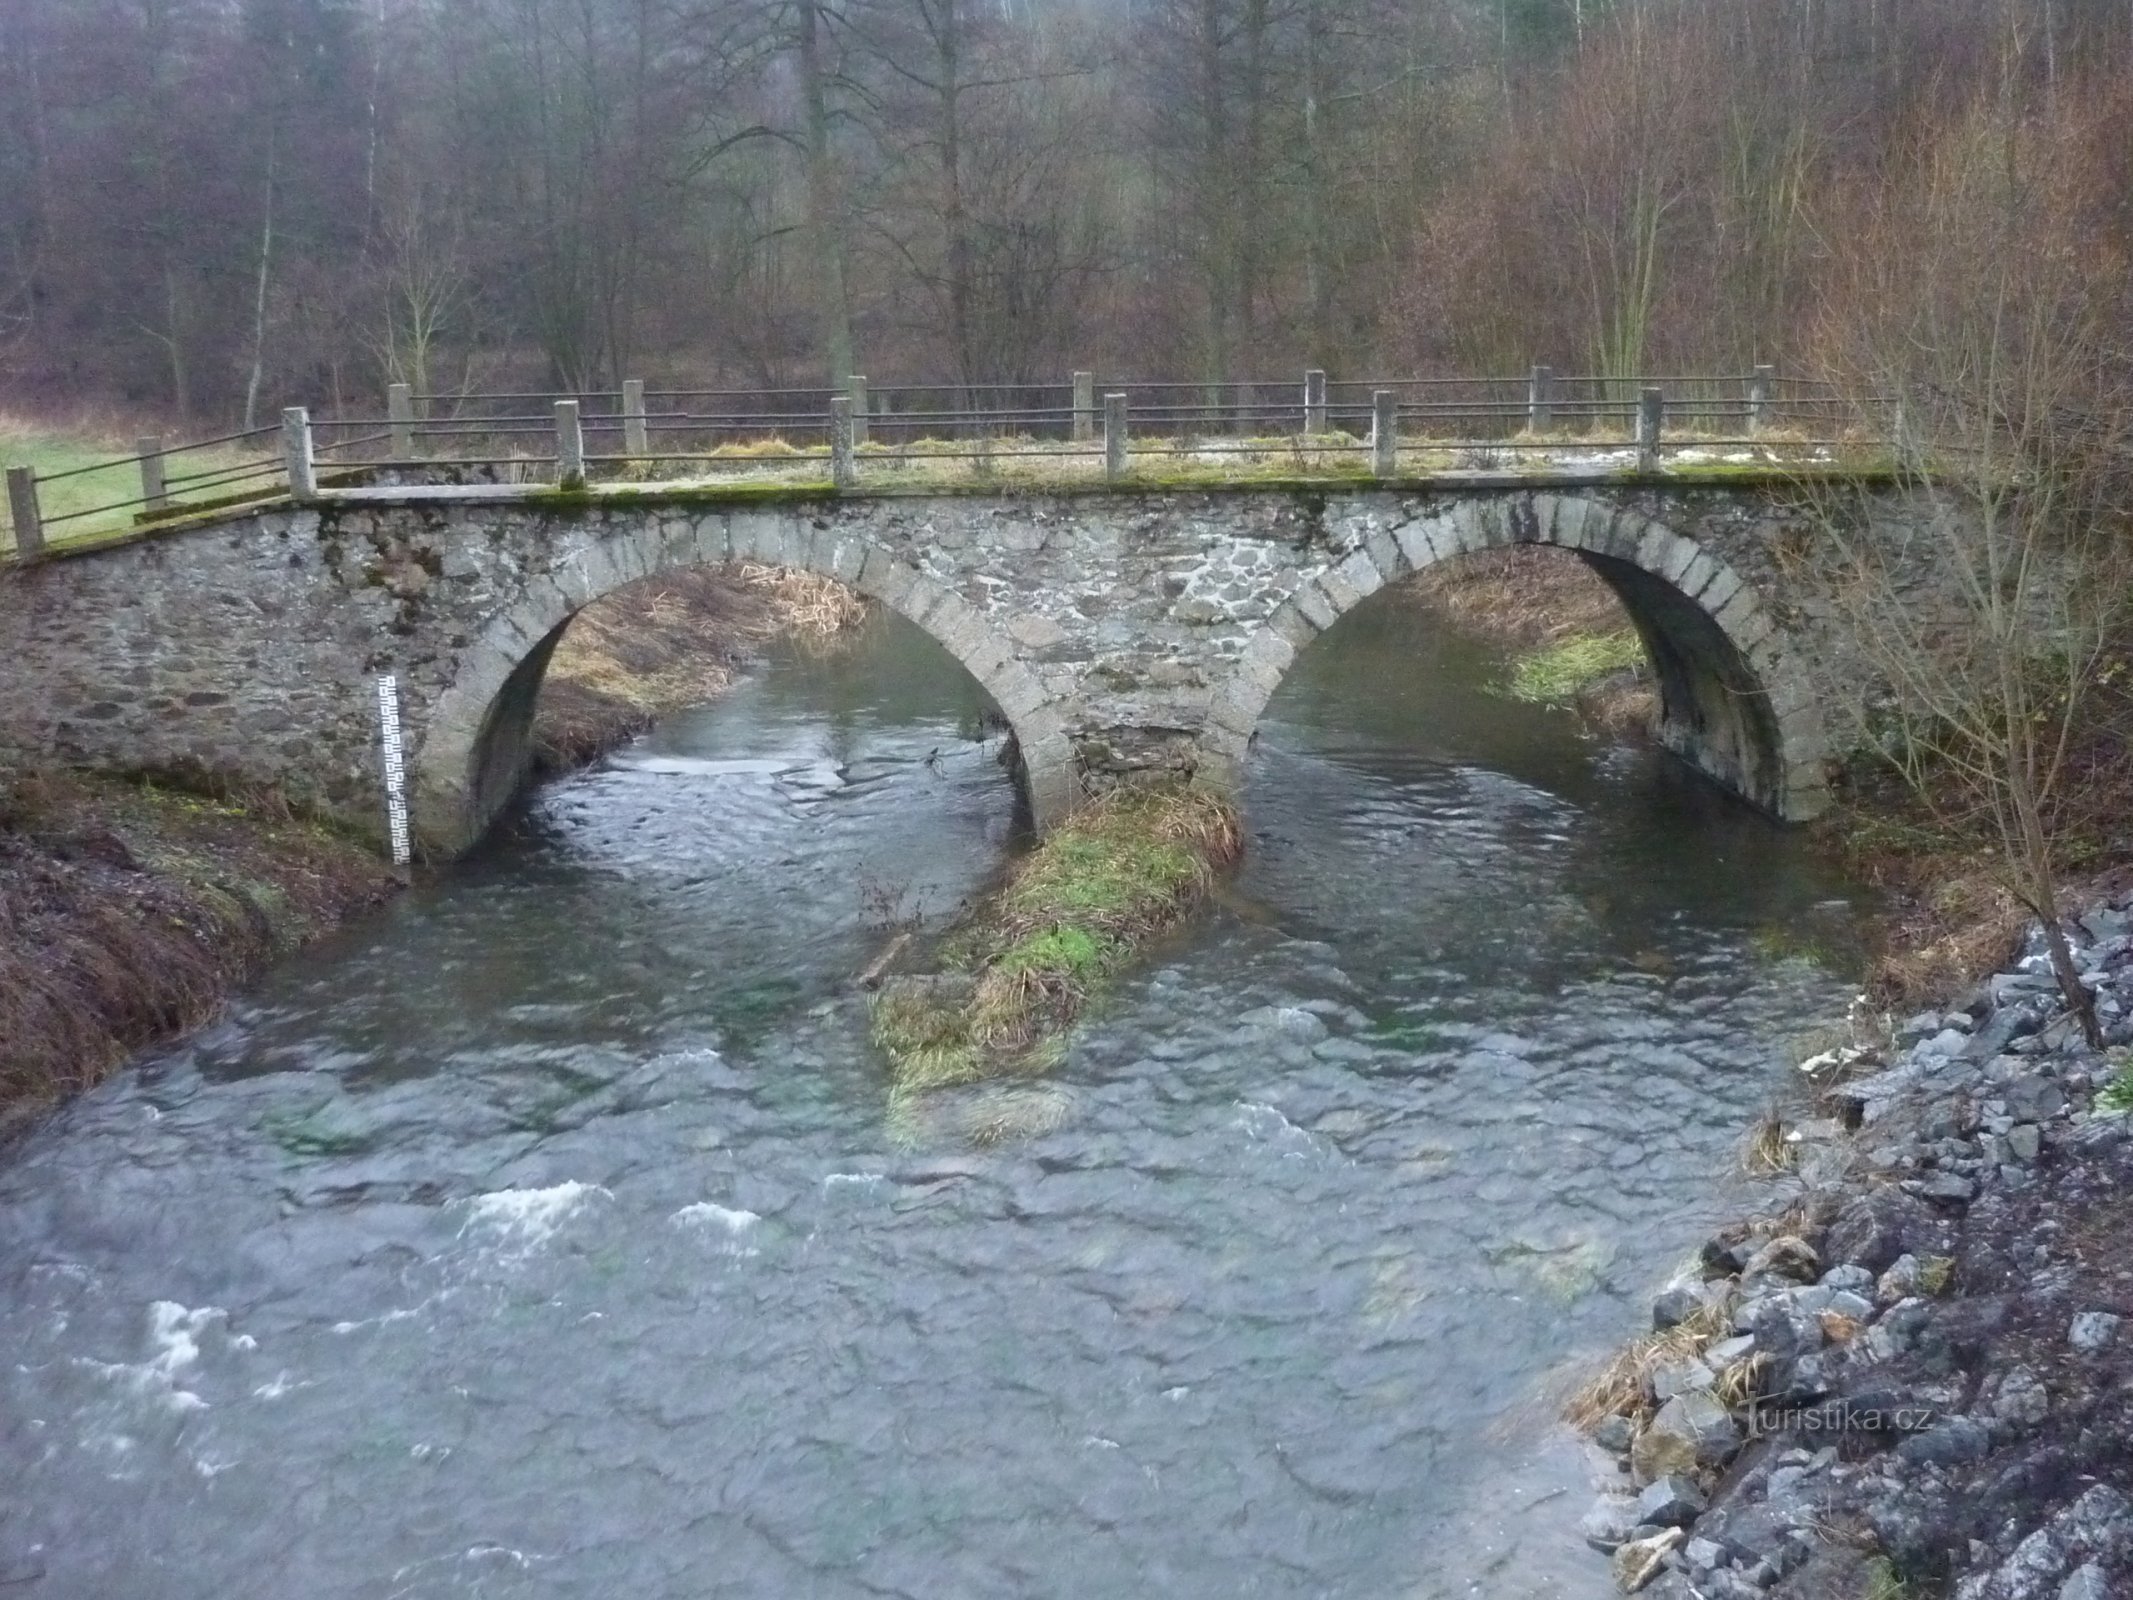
[(129, 913), (1914, 1377)]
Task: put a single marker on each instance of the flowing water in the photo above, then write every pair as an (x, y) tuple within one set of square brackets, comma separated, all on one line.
[(546, 1235)]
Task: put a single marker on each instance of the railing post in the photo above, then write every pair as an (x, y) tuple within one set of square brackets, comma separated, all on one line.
[(856, 386), (1114, 436), (1084, 407), (1651, 418), (296, 455), (844, 465), (635, 439), (155, 493), (1759, 387), (22, 506), (1385, 434), (569, 446), (1540, 400), (400, 414), (1315, 401)]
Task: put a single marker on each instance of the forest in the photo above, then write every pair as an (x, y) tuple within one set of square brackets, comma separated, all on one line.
[(211, 208)]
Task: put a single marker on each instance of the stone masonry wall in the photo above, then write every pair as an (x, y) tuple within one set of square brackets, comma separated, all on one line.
[(1118, 632)]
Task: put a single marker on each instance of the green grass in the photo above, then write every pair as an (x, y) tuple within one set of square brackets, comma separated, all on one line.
[(1559, 673), (2117, 1095), (50, 451), (1073, 913)]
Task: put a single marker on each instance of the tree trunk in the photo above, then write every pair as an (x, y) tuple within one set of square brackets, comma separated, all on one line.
[(259, 293), (824, 223)]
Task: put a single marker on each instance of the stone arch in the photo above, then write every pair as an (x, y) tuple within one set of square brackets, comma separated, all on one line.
[(476, 747), (1735, 702)]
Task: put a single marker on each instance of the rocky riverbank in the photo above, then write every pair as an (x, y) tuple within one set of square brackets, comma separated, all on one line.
[(1915, 1377)]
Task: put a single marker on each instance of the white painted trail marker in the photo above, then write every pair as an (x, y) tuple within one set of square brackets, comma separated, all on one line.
[(395, 759)]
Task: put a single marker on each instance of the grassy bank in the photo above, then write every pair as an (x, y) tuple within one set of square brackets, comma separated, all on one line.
[(1032, 956), (127, 913), (1569, 642)]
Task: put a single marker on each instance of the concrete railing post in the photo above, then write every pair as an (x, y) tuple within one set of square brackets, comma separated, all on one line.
[(296, 454), (1540, 400), (856, 387), (1759, 386), (1385, 434), (1315, 401), (1084, 407), (1114, 436), (844, 462), (636, 438), (22, 507), (155, 492), (569, 446), (400, 416), (1651, 419)]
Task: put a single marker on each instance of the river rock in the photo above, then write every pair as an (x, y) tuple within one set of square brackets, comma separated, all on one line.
[(1873, 1230), (2025, 1141), (1638, 1562), (2033, 1098), (2093, 1331), (2087, 1583), (1784, 1258), (2022, 1398), (1615, 1434), (1948, 1442), (1670, 1502), (1670, 1381), (1676, 1303), (1610, 1522), (1691, 1430)]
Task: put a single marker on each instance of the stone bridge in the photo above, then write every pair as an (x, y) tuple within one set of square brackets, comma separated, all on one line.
[(1118, 630)]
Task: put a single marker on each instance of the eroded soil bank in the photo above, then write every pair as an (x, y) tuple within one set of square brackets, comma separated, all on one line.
[(129, 912)]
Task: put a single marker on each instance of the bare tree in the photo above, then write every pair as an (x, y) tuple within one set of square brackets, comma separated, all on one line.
[(1975, 308)]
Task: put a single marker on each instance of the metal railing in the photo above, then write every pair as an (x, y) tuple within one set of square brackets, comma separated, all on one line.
[(1348, 428)]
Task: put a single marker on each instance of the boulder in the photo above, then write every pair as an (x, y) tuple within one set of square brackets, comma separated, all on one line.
[(1638, 1562), (2093, 1331), (1873, 1230), (1670, 1502), (1692, 1430), (1610, 1522)]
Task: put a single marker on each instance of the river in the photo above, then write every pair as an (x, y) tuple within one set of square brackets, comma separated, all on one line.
[(546, 1234)]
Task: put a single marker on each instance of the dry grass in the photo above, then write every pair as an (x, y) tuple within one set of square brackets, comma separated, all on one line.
[(127, 913), (1765, 1152), (1623, 1387)]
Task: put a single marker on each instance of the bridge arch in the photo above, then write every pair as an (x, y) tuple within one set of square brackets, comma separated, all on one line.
[(1735, 701), (476, 750)]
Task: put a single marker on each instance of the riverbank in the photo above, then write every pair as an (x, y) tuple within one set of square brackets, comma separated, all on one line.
[(1911, 1376), (130, 912), (1566, 637)]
